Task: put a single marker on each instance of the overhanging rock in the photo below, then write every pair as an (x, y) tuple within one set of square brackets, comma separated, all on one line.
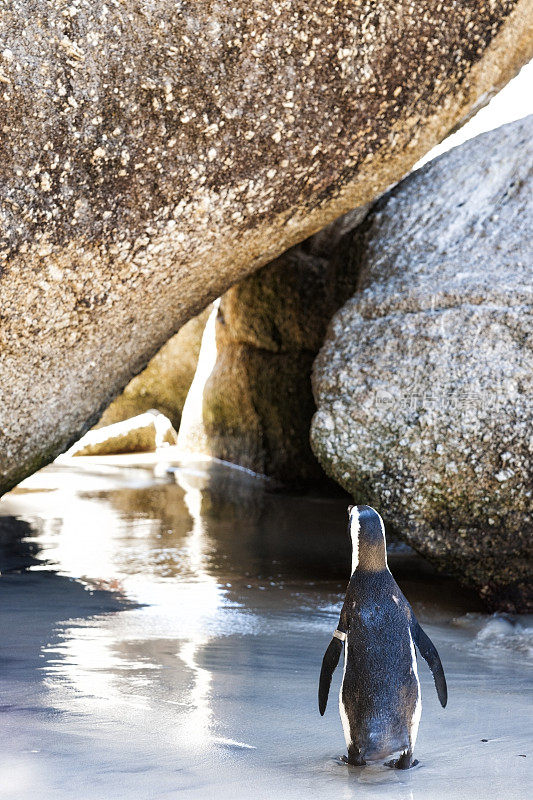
[(152, 155)]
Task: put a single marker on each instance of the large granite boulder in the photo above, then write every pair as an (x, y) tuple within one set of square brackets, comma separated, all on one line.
[(253, 403), (165, 382), (154, 154), (425, 380)]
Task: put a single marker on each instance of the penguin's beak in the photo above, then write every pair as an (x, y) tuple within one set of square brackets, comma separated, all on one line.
[(350, 509)]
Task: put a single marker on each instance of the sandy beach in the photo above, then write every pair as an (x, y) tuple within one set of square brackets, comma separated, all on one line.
[(162, 634)]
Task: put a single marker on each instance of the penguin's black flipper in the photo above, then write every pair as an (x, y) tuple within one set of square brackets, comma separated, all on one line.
[(429, 652), (329, 663)]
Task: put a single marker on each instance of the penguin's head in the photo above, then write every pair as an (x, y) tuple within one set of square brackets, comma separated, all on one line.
[(367, 531)]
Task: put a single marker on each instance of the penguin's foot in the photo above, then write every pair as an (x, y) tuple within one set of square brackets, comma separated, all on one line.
[(405, 761), (353, 759)]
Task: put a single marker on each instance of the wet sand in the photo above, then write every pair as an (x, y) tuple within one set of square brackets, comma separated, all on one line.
[(162, 637)]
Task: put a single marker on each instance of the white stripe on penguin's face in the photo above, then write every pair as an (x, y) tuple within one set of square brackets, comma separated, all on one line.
[(384, 538), (354, 533)]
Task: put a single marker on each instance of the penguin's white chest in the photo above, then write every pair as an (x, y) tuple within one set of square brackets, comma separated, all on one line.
[(417, 713), (342, 710)]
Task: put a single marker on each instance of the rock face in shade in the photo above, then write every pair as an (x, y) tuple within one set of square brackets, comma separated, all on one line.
[(152, 155), (255, 405), (425, 380), (164, 384)]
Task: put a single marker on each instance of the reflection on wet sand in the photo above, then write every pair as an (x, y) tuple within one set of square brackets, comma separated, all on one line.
[(208, 599), (249, 528), (165, 634)]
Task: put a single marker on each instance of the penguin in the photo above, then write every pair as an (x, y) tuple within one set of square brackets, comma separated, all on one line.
[(379, 700)]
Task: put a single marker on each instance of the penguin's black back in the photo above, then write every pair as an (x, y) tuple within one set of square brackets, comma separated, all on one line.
[(380, 686)]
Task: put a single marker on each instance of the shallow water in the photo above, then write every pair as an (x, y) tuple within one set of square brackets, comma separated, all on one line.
[(162, 637)]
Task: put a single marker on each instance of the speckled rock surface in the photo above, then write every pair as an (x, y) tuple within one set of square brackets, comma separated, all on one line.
[(153, 154), (257, 402), (141, 434), (424, 383), (164, 383)]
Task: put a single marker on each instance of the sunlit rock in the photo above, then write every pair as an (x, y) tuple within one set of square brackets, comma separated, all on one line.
[(154, 154), (425, 380), (142, 434), (163, 385)]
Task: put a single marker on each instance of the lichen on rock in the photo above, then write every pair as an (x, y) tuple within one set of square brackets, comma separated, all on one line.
[(154, 154), (425, 380)]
